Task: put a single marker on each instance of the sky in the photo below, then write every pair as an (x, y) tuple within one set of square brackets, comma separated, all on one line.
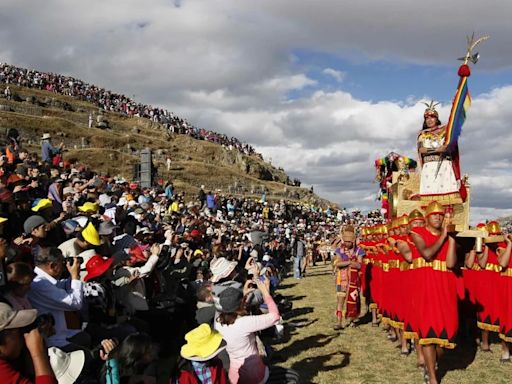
[(321, 88)]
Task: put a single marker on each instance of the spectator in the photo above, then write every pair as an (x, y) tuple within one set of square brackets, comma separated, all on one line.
[(48, 151), (239, 331), (12, 341), (203, 346), (60, 298)]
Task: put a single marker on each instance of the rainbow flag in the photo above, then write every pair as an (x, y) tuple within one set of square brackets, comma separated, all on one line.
[(460, 106)]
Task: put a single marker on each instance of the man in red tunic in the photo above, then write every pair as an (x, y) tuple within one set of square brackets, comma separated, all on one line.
[(437, 291)]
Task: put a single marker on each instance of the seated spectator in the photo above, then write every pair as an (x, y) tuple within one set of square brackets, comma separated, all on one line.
[(60, 298), (12, 341), (202, 364)]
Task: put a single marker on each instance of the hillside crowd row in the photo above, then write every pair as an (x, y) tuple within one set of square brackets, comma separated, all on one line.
[(113, 102)]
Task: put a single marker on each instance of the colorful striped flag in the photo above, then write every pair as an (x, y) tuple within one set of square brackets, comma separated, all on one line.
[(460, 106)]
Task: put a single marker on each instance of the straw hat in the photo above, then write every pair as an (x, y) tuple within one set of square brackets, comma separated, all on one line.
[(221, 268), (46, 136), (203, 344)]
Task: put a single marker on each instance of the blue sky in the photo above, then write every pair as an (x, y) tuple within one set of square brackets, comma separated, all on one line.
[(393, 80)]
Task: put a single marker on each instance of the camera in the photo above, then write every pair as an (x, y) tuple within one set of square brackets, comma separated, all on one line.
[(70, 260)]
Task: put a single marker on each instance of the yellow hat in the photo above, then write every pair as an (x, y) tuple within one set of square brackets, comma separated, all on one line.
[(198, 252), (415, 215), (129, 197), (203, 344), (364, 231), (403, 220), (89, 207), (434, 208), (493, 227), (90, 234), (393, 224), (41, 204)]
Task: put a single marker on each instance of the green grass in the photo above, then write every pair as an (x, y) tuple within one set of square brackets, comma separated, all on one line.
[(363, 355)]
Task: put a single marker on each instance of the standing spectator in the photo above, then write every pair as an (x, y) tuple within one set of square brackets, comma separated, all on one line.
[(90, 120), (298, 252), (60, 298), (8, 93), (201, 196), (239, 330)]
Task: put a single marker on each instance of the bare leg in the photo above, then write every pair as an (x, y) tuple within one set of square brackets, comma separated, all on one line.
[(484, 345), (419, 353), (375, 320), (339, 312), (505, 352), (429, 352), (405, 347)]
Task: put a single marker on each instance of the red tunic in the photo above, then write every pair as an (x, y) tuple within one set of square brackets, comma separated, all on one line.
[(436, 296), (506, 303), (411, 278), (489, 305)]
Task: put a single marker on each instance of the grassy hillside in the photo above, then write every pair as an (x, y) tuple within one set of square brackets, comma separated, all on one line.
[(114, 151)]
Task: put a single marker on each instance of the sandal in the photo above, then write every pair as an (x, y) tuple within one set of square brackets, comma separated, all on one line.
[(338, 327), (505, 360), (486, 350)]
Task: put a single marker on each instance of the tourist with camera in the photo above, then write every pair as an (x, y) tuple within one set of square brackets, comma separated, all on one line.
[(62, 298)]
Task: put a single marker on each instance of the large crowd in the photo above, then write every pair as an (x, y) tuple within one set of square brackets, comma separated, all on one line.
[(104, 281), (113, 102)]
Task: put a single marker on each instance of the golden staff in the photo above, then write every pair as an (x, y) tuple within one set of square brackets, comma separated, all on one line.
[(472, 43)]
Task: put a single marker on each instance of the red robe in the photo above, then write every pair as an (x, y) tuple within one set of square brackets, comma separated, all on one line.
[(436, 296)]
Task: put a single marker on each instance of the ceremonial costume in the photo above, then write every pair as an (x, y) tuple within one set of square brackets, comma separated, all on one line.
[(440, 171), (436, 292), (410, 278), (488, 300)]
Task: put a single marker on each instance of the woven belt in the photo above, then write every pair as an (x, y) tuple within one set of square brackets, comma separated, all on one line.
[(493, 267), (507, 272), (430, 158), (404, 266), (436, 265)]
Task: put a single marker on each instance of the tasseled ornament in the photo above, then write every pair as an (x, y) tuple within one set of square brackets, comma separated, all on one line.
[(464, 71)]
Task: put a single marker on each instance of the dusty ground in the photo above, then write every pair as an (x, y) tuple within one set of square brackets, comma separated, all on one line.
[(363, 354)]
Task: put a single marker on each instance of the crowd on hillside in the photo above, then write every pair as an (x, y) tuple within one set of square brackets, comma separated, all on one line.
[(104, 281), (113, 102)]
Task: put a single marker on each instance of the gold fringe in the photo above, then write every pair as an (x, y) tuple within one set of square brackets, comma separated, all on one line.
[(488, 327), (441, 342), (373, 306), (410, 335), (505, 338)]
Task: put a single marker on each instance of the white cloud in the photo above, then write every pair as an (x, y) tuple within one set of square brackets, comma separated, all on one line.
[(229, 66), (337, 75)]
